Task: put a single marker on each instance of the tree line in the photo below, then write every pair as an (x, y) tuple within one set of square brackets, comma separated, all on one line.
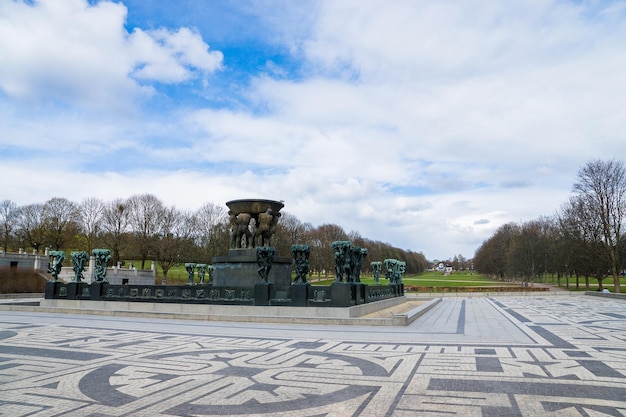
[(583, 239), (143, 228)]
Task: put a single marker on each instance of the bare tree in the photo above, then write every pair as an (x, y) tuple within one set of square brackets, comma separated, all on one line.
[(30, 229), (114, 224), (9, 214), (211, 234), (492, 257), (61, 218), (173, 242), (565, 238), (321, 257), (529, 250), (144, 222), (91, 211), (289, 231), (602, 184), (584, 234), (458, 262), (166, 245)]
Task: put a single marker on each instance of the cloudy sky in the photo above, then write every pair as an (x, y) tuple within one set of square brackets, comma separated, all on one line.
[(424, 124)]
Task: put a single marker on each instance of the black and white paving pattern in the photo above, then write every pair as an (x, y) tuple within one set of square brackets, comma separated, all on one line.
[(479, 356)]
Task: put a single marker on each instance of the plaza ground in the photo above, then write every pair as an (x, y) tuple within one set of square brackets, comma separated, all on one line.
[(546, 354)]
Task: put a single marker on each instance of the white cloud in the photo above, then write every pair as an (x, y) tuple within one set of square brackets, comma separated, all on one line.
[(171, 57), (76, 53), (448, 97), (426, 125)]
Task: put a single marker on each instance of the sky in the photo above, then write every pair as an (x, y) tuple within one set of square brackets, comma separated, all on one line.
[(423, 124)]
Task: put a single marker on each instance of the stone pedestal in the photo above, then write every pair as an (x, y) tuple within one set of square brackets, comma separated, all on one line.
[(358, 293), (341, 294), (240, 269), (78, 290), (97, 290), (263, 293), (51, 289), (398, 289), (299, 293)]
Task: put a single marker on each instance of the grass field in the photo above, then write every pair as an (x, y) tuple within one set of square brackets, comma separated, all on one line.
[(434, 279)]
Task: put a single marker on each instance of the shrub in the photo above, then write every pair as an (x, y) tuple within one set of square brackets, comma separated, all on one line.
[(13, 281)]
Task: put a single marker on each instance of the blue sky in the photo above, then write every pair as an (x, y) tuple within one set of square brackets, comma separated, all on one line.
[(426, 124)]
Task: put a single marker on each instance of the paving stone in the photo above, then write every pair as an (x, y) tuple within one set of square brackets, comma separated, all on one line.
[(478, 356)]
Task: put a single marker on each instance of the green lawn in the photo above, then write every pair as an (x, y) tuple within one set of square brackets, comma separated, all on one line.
[(434, 279)]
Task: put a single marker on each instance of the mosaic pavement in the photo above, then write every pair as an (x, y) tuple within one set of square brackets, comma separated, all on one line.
[(513, 356)]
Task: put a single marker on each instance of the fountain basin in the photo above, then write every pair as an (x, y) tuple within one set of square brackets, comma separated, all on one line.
[(239, 268), (254, 206)]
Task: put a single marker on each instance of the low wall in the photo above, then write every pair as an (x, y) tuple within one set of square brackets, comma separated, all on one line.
[(221, 310), (23, 260), (606, 294), (261, 294), (411, 316)]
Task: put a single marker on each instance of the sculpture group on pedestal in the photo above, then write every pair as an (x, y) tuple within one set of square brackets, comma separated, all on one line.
[(102, 258), (358, 255), (301, 258), (348, 261), (341, 252), (253, 222), (202, 268), (376, 268), (56, 263), (266, 224), (394, 270), (79, 260), (240, 234), (189, 268), (265, 259)]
